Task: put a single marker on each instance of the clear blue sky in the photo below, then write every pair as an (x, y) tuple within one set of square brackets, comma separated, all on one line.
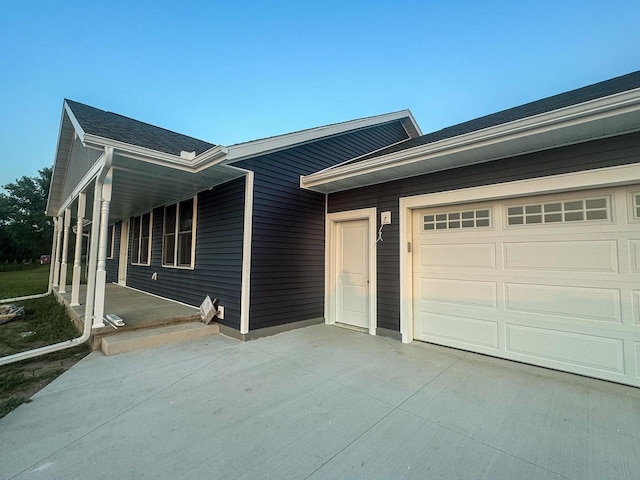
[(233, 71)]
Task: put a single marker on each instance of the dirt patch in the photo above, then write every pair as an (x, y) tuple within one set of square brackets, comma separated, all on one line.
[(45, 322)]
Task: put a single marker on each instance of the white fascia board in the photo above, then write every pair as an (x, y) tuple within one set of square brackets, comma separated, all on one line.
[(588, 111), (74, 121), (54, 172), (212, 156), (242, 151)]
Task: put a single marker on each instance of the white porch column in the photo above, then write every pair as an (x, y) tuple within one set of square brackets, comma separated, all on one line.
[(77, 259), (93, 256), (65, 251), (52, 258), (56, 265), (101, 272)]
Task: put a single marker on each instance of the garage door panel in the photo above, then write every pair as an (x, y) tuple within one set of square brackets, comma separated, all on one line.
[(458, 256), (552, 281), (634, 255), (596, 304), (566, 350), (635, 306), (459, 292), (564, 256), (461, 332)]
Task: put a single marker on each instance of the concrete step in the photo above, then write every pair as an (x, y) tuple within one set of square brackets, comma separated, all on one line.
[(153, 337)]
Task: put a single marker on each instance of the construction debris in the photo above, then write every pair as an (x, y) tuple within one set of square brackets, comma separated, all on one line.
[(9, 313)]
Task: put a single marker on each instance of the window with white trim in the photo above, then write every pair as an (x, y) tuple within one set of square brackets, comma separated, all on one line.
[(141, 242), (567, 211), (636, 206), (453, 220), (110, 241), (179, 234)]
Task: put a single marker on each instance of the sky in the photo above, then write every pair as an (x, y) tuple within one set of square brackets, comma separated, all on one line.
[(233, 71)]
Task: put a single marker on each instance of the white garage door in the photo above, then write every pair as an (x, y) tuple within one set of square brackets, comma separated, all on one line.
[(551, 280)]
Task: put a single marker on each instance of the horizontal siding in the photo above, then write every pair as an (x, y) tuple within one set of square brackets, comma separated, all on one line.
[(218, 263), (597, 154), (287, 254)]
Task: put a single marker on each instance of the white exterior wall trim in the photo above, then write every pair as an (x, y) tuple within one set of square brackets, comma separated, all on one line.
[(598, 178), (332, 220)]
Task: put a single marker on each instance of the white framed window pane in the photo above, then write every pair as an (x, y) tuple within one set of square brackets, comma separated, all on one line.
[(184, 249), (168, 249)]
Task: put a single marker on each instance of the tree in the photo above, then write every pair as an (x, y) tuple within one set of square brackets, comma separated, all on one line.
[(25, 230)]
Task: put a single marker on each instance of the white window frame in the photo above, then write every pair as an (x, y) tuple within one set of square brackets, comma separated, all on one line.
[(133, 221), (111, 246), (562, 212), (176, 235)]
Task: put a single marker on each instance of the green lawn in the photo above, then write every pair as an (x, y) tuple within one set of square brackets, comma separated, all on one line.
[(25, 282)]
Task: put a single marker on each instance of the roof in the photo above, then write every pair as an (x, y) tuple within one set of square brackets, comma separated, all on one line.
[(133, 132), (591, 92), (601, 110)]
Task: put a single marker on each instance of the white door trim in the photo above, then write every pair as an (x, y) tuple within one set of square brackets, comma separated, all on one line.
[(598, 178), (330, 259)]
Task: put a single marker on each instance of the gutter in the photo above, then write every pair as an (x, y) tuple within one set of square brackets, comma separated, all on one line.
[(593, 110), (88, 312)]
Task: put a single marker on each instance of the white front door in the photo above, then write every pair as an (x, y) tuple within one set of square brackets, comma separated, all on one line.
[(124, 253), (352, 273)]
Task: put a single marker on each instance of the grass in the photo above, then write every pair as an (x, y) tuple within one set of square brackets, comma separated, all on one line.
[(45, 322)]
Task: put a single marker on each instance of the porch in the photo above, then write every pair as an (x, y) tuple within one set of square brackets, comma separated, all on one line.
[(149, 320)]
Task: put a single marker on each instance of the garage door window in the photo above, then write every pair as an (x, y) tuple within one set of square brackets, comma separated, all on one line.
[(575, 210), (636, 205), (454, 220)]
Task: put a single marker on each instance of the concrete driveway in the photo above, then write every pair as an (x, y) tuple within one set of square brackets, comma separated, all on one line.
[(320, 402)]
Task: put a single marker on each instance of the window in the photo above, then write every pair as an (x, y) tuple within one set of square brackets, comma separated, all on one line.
[(575, 210), (141, 244), (178, 240), (636, 205), (110, 241), (461, 219)]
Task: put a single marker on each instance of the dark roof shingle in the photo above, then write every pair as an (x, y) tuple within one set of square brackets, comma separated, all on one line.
[(123, 129), (591, 92)]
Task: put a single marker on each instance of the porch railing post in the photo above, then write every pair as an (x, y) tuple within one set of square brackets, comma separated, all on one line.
[(56, 265), (77, 259), (65, 251)]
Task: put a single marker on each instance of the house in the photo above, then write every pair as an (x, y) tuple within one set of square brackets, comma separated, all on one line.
[(515, 235)]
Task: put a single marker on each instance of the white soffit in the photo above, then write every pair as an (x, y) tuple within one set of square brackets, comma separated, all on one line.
[(604, 117)]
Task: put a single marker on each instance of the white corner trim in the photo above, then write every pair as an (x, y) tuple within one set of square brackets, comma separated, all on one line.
[(584, 180), (245, 301), (74, 121), (330, 260)]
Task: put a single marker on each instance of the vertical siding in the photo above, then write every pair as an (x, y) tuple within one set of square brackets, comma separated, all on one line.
[(287, 256), (80, 162), (113, 264), (218, 262), (597, 154)]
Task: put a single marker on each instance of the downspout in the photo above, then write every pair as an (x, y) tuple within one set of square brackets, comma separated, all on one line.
[(88, 313)]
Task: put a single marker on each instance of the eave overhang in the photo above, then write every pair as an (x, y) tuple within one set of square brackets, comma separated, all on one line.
[(600, 118)]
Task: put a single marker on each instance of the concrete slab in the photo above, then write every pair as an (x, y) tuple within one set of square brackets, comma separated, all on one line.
[(320, 402), (154, 337)]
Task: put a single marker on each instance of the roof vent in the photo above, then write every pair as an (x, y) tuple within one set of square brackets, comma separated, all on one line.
[(187, 155)]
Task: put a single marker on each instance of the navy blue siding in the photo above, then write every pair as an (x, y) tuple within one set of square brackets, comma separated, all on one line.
[(287, 255), (113, 264), (597, 154), (218, 263)]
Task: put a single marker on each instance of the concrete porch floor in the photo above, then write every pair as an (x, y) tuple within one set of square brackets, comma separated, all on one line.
[(138, 309), (320, 402)]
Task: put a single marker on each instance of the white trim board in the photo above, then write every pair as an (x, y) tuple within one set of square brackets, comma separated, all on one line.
[(245, 299), (331, 224), (598, 178)]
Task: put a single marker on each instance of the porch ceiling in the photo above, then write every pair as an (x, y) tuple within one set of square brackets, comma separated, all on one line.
[(141, 186)]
